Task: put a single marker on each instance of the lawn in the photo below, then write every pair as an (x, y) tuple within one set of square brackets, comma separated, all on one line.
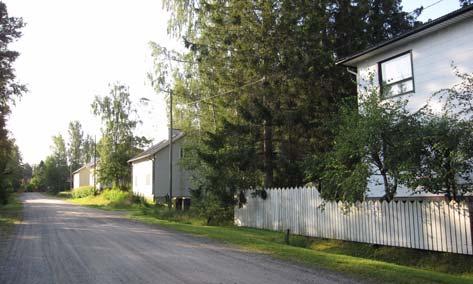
[(331, 255), (10, 214), (364, 261)]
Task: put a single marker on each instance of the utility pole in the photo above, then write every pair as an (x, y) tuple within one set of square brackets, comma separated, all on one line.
[(170, 150), (95, 162)]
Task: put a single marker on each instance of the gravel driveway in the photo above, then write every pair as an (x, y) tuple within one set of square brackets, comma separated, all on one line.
[(58, 242)]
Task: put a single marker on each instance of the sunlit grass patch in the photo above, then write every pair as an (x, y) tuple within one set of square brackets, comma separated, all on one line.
[(10, 214)]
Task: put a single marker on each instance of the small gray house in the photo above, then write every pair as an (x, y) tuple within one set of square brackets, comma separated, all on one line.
[(150, 171)]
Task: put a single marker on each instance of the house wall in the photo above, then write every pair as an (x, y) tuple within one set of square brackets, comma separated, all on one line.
[(142, 177), (432, 59), (180, 186), (76, 180), (82, 178)]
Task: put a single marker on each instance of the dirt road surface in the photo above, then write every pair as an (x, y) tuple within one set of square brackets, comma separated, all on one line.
[(58, 242)]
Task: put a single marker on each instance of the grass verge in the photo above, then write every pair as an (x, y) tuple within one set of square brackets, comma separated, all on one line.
[(10, 214), (364, 261), (271, 243)]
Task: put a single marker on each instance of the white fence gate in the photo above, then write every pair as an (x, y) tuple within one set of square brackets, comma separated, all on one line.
[(429, 225)]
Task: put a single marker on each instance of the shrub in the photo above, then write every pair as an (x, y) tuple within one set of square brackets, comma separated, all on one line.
[(141, 200), (116, 196), (82, 192), (191, 216)]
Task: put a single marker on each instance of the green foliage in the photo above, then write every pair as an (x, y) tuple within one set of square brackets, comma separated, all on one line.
[(258, 87), (56, 170), (118, 144), (116, 195), (446, 160), (83, 191), (10, 89), (10, 214), (11, 169), (378, 138), (364, 266), (38, 181), (458, 99), (114, 198), (191, 216), (75, 144), (465, 3), (221, 165), (52, 175), (88, 152)]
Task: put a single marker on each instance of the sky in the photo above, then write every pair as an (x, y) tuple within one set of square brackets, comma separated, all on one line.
[(72, 50)]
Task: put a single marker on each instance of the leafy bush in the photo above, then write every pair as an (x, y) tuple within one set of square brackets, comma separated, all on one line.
[(141, 200), (213, 211), (191, 216), (82, 192), (117, 196)]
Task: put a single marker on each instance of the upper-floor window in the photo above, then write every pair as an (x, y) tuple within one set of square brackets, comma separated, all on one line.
[(396, 76)]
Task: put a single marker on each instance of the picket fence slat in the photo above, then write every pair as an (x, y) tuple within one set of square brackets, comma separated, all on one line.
[(421, 224)]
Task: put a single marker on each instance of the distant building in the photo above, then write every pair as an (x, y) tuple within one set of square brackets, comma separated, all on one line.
[(84, 176), (150, 171), (415, 65)]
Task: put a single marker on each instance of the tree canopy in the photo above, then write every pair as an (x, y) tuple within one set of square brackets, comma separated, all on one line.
[(257, 88), (10, 90)]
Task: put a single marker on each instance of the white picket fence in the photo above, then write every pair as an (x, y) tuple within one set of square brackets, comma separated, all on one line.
[(428, 225)]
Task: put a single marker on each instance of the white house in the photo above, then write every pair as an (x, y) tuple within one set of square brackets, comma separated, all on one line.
[(150, 171), (84, 176), (416, 64)]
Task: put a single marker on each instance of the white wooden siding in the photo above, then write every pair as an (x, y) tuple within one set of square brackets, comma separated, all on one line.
[(432, 59), (428, 225), (180, 182), (82, 178), (140, 171)]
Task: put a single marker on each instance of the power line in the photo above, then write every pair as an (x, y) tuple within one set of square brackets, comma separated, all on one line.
[(427, 7), (251, 83), (433, 4)]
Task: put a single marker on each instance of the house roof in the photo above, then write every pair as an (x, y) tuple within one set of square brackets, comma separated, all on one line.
[(88, 165), (429, 27), (151, 151)]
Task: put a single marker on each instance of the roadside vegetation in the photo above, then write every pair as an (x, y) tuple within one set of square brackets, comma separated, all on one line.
[(10, 214), (389, 264), (12, 168), (382, 264), (263, 104)]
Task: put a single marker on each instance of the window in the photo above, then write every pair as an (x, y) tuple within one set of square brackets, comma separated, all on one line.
[(396, 76)]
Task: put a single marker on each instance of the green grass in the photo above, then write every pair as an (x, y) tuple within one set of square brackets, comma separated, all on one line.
[(364, 261), (272, 243), (10, 214)]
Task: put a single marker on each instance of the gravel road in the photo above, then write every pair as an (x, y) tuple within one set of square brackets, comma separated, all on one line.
[(58, 242)]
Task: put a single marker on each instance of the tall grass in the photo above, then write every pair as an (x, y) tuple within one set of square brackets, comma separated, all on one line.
[(82, 192)]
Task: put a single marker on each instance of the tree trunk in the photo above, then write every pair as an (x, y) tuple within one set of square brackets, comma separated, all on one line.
[(268, 154)]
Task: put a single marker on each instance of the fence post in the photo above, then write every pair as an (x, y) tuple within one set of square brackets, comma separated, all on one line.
[(286, 236), (470, 212)]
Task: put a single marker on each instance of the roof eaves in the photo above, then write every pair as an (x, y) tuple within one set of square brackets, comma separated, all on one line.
[(155, 149), (423, 27)]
